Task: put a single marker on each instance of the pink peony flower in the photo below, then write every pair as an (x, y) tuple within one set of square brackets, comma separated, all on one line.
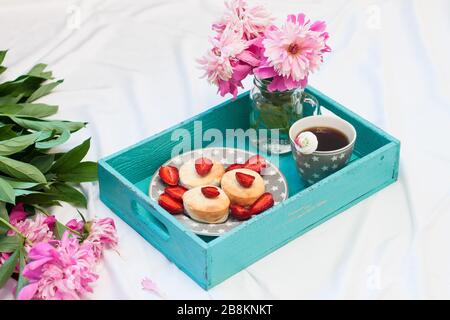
[(59, 270), (292, 52), (218, 61), (36, 230), (228, 62), (102, 235), (253, 21), (17, 213), (50, 221), (75, 225)]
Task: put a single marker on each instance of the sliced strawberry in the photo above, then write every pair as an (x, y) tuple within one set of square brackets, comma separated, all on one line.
[(239, 212), (264, 202), (210, 192), (203, 166), (256, 163), (175, 192), (245, 180), (234, 166), (169, 175), (170, 204)]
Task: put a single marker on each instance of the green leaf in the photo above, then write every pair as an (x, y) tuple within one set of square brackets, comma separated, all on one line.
[(45, 135), (44, 90), (59, 229), (7, 269), (2, 55), (21, 170), (73, 157), (4, 215), (38, 71), (38, 110), (6, 132), (41, 202), (274, 117), (57, 192), (18, 184), (50, 176), (63, 137), (10, 243), (6, 192), (83, 172), (68, 194), (44, 162), (47, 125), (2, 69), (10, 99), (24, 85), (22, 192), (17, 144), (21, 280), (3, 212)]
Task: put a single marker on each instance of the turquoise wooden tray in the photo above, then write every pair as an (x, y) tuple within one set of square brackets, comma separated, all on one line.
[(124, 178)]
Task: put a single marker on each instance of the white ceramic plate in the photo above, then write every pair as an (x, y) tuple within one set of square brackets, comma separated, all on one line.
[(273, 178)]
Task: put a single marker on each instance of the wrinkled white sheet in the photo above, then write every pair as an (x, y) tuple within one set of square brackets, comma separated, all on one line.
[(129, 71)]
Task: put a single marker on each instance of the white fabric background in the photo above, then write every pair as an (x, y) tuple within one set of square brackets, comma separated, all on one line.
[(129, 71)]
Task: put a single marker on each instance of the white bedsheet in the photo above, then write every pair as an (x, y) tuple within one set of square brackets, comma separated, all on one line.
[(129, 70)]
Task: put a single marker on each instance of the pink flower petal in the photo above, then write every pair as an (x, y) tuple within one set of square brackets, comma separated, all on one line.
[(50, 222), (277, 84), (248, 57), (318, 26), (265, 72), (240, 72), (33, 269), (28, 292), (301, 19), (75, 225), (291, 18), (149, 285), (17, 213)]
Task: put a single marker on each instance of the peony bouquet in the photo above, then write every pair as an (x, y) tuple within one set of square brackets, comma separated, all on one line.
[(48, 259), (246, 42)]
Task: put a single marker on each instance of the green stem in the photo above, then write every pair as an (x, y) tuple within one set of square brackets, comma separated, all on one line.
[(13, 228)]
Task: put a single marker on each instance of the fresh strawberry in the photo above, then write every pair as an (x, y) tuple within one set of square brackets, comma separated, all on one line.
[(234, 166), (175, 192), (170, 204), (239, 212), (264, 202), (169, 175), (256, 163), (210, 192), (245, 180), (203, 166)]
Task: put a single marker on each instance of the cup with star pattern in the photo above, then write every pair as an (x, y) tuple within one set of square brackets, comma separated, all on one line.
[(316, 165)]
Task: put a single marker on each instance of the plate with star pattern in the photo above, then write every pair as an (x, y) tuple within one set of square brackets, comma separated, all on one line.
[(274, 181)]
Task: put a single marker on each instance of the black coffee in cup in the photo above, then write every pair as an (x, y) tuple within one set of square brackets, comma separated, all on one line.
[(329, 139)]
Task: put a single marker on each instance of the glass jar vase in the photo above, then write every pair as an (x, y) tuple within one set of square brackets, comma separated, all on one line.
[(273, 113)]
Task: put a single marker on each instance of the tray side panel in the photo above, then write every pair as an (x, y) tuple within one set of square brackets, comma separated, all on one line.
[(271, 230), (180, 246)]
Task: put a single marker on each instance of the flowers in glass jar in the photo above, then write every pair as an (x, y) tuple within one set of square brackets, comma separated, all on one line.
[(247, 42)]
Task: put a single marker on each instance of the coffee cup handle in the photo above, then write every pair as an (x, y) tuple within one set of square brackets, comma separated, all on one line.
[(312, 101)]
